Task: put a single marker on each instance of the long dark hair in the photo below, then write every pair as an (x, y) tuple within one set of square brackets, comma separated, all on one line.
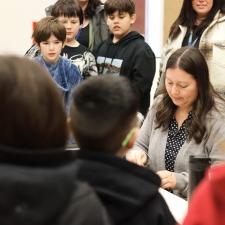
[(91, 8), (193, 62), (187, 17)]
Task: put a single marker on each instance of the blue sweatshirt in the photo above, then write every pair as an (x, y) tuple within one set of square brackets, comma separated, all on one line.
[(65, 74)]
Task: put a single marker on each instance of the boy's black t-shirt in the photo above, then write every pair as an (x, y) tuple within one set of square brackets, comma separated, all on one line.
[(72, 52), (131, 57), (82, 58)]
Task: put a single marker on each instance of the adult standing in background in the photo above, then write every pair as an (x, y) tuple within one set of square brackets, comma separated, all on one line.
[(94, 29), (200, 24)]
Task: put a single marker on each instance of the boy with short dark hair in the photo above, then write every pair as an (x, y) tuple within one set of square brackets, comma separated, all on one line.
[(70, 14), (125, 53), (103, 120), (49, 35)]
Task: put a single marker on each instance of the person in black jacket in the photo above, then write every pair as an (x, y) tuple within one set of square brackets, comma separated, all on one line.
[(126, 53), (103, 120), (37, 176)]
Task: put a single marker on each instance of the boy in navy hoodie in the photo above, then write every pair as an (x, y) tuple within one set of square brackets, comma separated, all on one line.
[(126, 53)]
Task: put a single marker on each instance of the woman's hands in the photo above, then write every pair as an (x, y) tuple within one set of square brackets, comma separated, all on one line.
[(168, 179), (138, 157)]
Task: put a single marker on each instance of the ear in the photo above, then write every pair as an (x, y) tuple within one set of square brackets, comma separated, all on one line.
[(133, 18), (133, 138)]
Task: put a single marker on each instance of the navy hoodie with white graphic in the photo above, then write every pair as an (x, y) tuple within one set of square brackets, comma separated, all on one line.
[(131, 57)]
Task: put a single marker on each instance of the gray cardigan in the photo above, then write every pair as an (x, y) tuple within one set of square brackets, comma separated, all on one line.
[(153, 141)]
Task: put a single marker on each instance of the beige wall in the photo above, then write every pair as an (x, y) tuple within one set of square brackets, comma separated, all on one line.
[(171, 11), (16, 21)]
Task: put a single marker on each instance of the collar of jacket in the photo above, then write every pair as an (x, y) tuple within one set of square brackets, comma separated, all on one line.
[(121, 163), (33, 192), (35, 157), (219, 17), (118, 183)]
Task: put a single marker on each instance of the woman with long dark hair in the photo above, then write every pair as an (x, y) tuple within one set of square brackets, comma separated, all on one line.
[(200, 24), (187, 119)]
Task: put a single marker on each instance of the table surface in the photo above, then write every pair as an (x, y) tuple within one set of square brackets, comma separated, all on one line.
[(178, 206)]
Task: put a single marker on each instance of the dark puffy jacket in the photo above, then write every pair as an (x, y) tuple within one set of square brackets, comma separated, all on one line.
[(128, 192), (40, 189)]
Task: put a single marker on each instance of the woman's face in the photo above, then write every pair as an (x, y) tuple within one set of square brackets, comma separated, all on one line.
[(181, 87), (202, 7)]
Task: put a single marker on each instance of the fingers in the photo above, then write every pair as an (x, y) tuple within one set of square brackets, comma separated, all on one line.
[(137, 156), (141, 159), (168, 179), (165, 182)]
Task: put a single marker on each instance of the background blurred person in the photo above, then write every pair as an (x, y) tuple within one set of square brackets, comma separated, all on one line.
[(104, 124), (37, 179), (200, 24)]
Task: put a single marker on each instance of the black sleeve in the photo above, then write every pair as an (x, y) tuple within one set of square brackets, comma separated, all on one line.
[(143, 75), (154, 212), (84, 208)]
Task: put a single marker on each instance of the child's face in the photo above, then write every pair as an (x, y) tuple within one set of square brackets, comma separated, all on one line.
[(72, 25), (120, 23), (51, 49)]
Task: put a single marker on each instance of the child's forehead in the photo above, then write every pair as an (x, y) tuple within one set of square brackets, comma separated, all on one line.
[(118, 12), (52, 37), (68, 17)]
